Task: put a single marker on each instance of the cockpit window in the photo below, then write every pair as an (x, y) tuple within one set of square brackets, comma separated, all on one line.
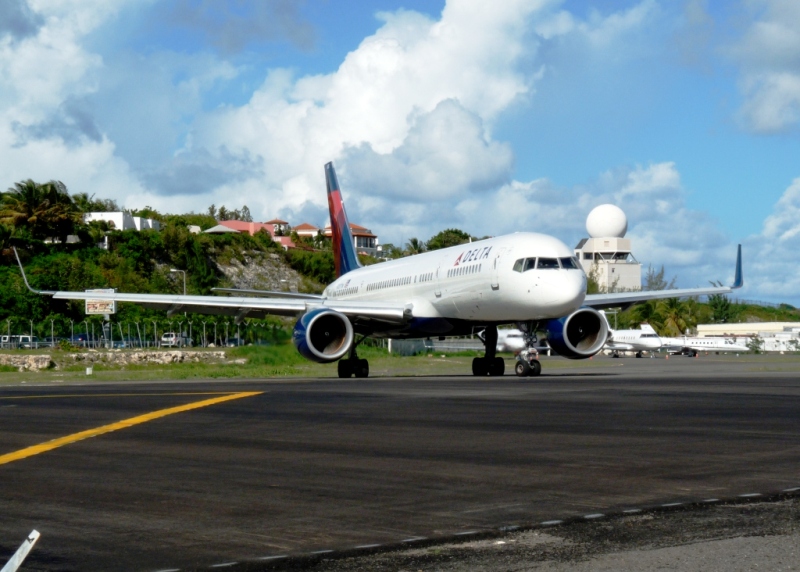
[(518, 265), (530, 264), (569, 263), (547, 264)]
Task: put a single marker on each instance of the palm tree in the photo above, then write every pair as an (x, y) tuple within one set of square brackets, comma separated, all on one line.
[(647, 313), (43, 210), (678, 315), (414, 246)]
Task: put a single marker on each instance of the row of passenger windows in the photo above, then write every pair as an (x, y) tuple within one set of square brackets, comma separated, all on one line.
[(525, 264), (464, 270), (389, 283), (427, 277), (347, 291)]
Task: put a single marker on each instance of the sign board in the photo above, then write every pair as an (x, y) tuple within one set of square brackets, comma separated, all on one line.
[(98, 306)]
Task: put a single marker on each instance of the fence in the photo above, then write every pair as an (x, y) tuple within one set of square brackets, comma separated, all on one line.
[(90, 334)]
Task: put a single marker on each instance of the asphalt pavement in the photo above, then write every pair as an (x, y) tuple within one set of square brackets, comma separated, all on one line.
[(193, 475)]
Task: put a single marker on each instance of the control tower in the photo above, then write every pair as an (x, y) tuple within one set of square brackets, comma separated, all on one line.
[(607, 253)]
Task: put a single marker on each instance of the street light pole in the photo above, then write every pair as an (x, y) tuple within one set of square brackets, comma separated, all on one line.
[(184, 277), (155, 340)]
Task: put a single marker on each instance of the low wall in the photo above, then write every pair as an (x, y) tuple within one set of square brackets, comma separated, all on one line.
[(37, 362)]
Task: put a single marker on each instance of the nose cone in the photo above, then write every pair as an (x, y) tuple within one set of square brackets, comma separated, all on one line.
[(564, 293)]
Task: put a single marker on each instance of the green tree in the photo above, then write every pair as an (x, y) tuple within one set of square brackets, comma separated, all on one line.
[(448, 237), (654, 280), (677, 315), (87, 204), (414, 246), (41, 210), (756, 344), (722, 310)]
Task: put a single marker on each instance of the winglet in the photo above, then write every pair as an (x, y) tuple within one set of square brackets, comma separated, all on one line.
[(25, 278), (344, 252), (738, 280)]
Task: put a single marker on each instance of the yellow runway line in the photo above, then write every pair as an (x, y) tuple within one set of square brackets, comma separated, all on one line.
[(62, 395), (124, 424)]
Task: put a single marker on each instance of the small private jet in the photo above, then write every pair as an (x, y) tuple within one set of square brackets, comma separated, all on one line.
[(639, 341), (693, 346), (528, 279)]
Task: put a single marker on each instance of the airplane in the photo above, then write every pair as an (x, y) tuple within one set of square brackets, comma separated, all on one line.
[(692, 346), (643, 340), (529, 279)]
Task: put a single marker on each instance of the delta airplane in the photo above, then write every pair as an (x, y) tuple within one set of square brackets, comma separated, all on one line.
[(644, 340), (692, 346), (528, 279)]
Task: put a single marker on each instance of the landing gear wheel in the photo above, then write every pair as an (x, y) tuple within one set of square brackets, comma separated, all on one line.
[(345, 368), (522, 369), (536, 368), (497, 367), (479, 366), (361, 368), (638, 354)]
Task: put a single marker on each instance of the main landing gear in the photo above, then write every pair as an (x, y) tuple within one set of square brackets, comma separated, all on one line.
[(490, 364), (528, 359), (352, 366)]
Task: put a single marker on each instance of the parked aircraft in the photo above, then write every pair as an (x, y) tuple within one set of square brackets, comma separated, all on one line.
[(525, 278), (643, 340), (692, 346)]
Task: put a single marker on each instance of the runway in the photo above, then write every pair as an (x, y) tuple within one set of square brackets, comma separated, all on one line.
[(283, 467)]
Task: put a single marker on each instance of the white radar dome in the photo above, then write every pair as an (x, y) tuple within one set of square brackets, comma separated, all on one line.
[(607, 221)]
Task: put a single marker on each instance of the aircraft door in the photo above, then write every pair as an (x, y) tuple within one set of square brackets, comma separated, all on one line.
[(496, 267)]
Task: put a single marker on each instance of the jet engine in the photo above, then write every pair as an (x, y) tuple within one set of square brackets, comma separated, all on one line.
[(579, 335), (323, 335)]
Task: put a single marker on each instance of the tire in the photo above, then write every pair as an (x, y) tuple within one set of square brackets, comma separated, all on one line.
[(345, 367), (479, 366), (522, 369), (638, 354), (362, 368), (497, 367), (536, 368)]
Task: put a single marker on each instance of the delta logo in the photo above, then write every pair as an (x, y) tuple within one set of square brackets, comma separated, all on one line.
[(473, 255)]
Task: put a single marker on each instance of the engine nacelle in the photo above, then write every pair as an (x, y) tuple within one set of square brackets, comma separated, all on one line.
[(578, 336), (323, 335)]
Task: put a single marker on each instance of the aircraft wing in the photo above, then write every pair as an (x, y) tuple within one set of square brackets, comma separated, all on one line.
[(624, 299), (268, 293), (618, 346), (242, 307)]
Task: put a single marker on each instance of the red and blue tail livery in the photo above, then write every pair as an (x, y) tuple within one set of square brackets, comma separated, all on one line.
[(344, 251)]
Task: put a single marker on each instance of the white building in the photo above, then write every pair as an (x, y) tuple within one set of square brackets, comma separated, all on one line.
[(123, 220), (607, 254)]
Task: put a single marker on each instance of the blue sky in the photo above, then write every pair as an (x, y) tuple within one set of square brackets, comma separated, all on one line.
[(490, 117)]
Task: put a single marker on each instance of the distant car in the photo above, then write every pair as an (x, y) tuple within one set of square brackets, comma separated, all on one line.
[(235, 342), (175, 340), (81, 340)]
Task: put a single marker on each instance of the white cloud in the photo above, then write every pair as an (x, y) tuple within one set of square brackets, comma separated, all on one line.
[(769, 57), (774, 261), (43, 77)]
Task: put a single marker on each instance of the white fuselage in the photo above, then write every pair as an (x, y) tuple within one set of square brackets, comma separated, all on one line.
[(493, 280), (703, 344), (644, 340)]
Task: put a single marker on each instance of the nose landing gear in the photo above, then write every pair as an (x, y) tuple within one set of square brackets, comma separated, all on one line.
[(528, 364)]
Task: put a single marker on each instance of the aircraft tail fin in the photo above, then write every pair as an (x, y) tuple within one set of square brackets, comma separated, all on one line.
[(647, 328), (738, 280), (345, 258)]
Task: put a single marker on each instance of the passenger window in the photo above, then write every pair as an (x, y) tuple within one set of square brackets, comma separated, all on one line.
[(548, 264), (518, 265), (530, 264), (568, 263)]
